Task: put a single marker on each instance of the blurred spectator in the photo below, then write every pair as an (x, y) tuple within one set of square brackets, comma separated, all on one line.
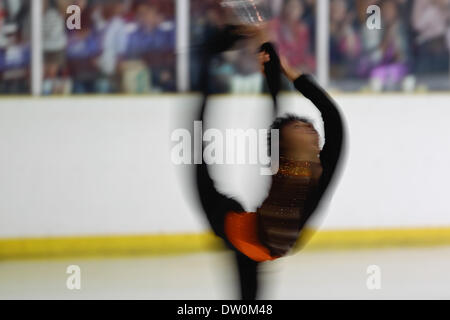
[(54, 42), (245, 75), (111, 26), (345, 44), (151, 33), (207, 18), (431, 21), (151, 42), (83, 49), (292, 36), (14, 48), (385, 61)]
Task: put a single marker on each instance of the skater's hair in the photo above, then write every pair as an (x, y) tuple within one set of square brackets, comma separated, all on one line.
[(279, 124)]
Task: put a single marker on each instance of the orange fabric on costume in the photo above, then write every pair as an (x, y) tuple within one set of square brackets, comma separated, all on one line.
[(242, 231)]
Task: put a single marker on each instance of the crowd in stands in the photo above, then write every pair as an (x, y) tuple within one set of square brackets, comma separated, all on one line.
[(128, 46), (412, 44), (122, 46)]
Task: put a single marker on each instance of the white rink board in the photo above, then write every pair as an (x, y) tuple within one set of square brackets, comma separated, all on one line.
[(101, 165)]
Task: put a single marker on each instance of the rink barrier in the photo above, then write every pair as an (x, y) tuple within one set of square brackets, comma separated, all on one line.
[(174, 244)]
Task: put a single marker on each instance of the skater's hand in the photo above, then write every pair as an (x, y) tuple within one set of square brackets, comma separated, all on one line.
[(290, 72), (263, 58)]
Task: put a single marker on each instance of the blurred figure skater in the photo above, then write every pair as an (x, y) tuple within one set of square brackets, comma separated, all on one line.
[(305, 171)]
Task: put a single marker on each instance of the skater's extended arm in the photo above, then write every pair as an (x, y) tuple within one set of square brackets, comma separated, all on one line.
[(213, 202)]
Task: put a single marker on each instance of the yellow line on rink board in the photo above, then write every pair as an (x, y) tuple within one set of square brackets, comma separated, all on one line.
[(172, 244)]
